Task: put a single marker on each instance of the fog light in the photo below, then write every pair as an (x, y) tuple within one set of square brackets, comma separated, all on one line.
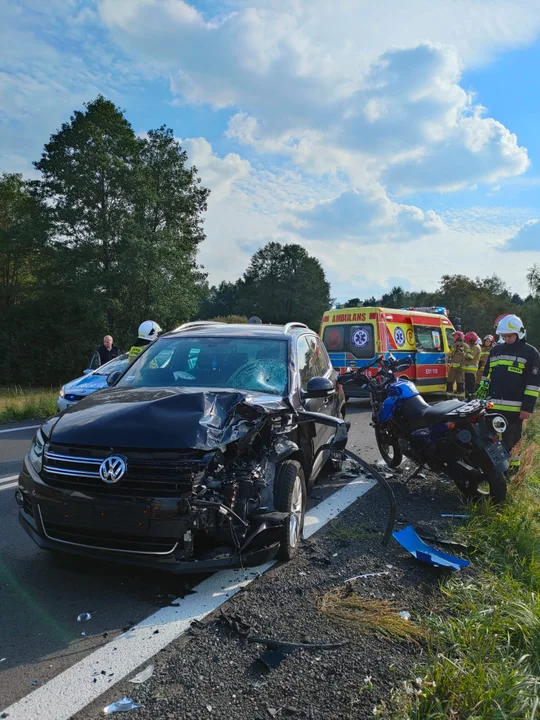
[(19, 498)]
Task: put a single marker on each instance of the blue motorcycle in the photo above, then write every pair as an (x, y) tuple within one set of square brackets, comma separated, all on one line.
[(459, 439)]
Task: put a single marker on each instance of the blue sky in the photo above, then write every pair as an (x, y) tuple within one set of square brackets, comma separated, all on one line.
[(395, 141)]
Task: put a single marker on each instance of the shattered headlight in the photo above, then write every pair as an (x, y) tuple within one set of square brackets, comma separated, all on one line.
[(35, 454)]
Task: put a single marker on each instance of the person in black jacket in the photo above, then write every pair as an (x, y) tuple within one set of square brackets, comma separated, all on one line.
[(511, 379), (107, 351)]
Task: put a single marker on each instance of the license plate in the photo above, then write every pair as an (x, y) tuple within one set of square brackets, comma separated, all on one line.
[(497, 453)]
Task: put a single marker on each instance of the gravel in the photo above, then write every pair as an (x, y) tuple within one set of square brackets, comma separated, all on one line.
[(213, 672)]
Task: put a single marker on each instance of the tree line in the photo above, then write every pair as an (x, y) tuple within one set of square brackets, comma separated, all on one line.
[(109, 235), (473, 303)]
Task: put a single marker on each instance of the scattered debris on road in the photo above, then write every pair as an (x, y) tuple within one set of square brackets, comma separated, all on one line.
[(408, 539), (85, 617), (143, 676), (366, 575), (124, 705)]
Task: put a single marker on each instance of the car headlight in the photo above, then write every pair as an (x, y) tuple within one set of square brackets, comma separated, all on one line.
[(36, 451), (499, 424), (62, 392)]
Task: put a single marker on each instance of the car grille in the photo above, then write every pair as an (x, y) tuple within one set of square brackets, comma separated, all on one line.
[(107, 540), (148, 474)]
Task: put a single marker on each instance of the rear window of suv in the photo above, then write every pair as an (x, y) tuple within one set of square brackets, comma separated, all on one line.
[(253, 364)]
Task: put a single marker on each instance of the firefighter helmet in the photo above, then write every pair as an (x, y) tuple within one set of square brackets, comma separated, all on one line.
[(458, 335), (149, 330), (511, 325), (471, 337)]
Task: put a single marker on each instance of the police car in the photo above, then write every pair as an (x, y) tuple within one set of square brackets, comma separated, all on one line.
[(89, 382)]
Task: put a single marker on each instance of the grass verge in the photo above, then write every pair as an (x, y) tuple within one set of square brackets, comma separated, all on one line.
[(25, 404), (485, 637)]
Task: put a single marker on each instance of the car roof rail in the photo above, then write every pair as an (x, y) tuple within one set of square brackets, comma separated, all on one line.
[(197, 324), (291, 325)]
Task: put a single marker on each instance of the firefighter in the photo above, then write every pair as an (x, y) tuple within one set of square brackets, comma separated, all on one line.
[(512, 379), (470, 364), (456, 357), (148, 332), (485, 349)]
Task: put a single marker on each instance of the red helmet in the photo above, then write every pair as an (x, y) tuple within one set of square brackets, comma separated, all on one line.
[(490, 338), (471, 337), (458, 335)]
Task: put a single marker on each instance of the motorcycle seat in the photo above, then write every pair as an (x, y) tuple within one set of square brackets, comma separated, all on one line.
[(419, 414)]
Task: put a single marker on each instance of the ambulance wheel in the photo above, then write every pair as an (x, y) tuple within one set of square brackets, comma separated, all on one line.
[(388, 447)]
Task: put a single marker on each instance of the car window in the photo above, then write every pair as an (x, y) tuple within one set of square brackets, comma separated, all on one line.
[(449, 336), (428, 339), (113, 365), (308, 363), (322, 360), (358, 340), (253, 364)]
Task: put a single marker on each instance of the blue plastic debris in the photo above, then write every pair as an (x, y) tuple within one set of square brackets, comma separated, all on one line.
[(419, 550)]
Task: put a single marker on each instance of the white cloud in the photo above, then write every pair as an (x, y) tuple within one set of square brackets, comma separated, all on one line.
[(219, 174), (362, 216)]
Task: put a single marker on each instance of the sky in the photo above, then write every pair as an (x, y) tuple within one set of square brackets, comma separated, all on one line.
[(395, 141)]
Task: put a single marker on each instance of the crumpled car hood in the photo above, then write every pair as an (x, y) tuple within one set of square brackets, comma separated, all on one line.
[(167, 418)]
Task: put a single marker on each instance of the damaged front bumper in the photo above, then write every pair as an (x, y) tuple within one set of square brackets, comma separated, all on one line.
[(145, 534)]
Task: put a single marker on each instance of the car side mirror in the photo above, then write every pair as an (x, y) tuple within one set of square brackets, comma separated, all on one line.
[(87, 371), (113, 377), (319, 387)]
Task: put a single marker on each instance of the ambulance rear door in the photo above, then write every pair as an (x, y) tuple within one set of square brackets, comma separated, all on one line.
[(431, 368)]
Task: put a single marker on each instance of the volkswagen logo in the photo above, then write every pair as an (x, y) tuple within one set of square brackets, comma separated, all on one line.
[(112, 469)]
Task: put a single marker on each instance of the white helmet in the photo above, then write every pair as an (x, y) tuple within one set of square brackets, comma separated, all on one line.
[(511, 324), (149, 330)]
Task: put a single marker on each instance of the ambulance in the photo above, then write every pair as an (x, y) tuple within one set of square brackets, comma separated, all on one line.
[(355, 336)]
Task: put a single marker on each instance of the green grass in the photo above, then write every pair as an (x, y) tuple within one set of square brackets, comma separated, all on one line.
[(18, 403), (485, 636)]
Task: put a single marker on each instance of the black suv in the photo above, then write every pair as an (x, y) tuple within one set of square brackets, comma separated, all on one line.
[(199, 455)]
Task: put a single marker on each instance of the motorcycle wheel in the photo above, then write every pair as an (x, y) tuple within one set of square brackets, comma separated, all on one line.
[(470, 485), (388, 447)]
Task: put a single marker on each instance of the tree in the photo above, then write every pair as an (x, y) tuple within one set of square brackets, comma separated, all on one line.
[(284, 283), (126, 216), (220, 301), (23, 241), (352, 303), (159, 265)]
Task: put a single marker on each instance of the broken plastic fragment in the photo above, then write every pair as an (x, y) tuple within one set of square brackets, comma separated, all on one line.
[(408, 539), (84, 617), (209, 708), (451, 515), (33, 682), (124, 705), (366, 575), (143, 676), (405, 615)]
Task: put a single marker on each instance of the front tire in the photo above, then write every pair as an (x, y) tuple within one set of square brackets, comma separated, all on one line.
[(389, 448), (290, 497)]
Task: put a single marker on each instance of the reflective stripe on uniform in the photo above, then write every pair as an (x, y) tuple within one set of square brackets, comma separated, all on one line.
[(508, 363), (506, 405), (469, 368), (532, 390)]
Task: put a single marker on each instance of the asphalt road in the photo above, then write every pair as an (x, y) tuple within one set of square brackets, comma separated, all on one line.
[(41, 596)]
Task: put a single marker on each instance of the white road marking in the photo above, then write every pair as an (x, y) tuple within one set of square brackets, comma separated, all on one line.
[(84, 682), (7, 487), (20, 429), (8, 478)]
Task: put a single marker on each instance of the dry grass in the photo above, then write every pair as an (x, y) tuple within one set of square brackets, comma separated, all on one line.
[(18, 403), (369, 617)]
